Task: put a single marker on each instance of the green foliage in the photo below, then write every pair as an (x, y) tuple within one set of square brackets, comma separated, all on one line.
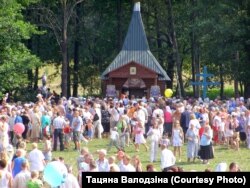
[(15, 58), (90, 81)]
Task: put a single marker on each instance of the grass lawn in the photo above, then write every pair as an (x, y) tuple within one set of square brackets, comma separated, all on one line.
[(222, 154)]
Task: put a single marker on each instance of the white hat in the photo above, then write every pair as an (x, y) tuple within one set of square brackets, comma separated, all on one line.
[(221, 167), (234, 114)]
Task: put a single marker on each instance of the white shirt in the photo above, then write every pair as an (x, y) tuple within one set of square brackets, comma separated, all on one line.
[(222, 127), (21, 179), (102, 166), (195, 122), (36, 158), (167, 158), (5, 178), (141, 115), (154, 134), (86, 115), (84, 167), (127, 168), (217, 121), (159, 112), (114, 114), (70, 182), (59, 122)]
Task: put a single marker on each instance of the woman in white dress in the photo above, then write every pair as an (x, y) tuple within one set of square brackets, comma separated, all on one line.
[(192, 136), (36, 125), (177, 138), (4, 138), (154, 135), (139, 138)]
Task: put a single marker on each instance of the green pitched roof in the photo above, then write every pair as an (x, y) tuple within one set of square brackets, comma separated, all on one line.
[(135, 48)]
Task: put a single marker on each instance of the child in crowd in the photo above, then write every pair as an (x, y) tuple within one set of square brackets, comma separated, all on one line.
[(90, 128), (67, 133), (47, 149), (248, 136), (114, 139), (177, 138), (165, 140), (34, 182)]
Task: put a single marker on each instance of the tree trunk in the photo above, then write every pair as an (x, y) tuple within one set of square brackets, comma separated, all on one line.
[(158, 35), (170, 70), (193, 47), (76, 68), (29, 46), (36, 78), (30, 72), (221, 81), (241, 89), (68, 79), (64, 77), (236, 72), (195, 64), (37, 69), (175, 50), (76, 53), (30, 77)]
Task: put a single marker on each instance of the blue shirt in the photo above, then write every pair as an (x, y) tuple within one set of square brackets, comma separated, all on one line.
[(205, 141), (17, 165), (77, 123), (45, 120), (18, 119)]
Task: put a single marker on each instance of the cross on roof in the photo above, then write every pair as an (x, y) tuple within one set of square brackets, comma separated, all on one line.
[(204, 82)]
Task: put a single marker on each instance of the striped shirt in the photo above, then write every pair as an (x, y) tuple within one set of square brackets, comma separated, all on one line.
[(59, 122)]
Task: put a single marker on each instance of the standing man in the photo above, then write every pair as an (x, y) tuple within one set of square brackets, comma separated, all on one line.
[(57, 129), (77, 126), (167, 158)]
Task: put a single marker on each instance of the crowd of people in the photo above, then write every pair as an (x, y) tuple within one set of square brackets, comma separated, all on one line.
[(153, 122)]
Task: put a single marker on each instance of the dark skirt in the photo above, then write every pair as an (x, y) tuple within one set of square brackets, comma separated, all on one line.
[(243, 136), (106, 127), (168, 129), (206, 152)]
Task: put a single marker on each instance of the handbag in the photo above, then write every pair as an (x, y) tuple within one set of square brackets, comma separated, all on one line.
[(96, 117)]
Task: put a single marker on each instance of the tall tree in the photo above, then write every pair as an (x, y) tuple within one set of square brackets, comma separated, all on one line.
[(58, 21), (181, 92), (195, 48), (76, 51), (15, 58)]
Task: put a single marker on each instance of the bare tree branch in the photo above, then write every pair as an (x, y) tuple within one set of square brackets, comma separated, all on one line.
[(51, 21), (71, 10)]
